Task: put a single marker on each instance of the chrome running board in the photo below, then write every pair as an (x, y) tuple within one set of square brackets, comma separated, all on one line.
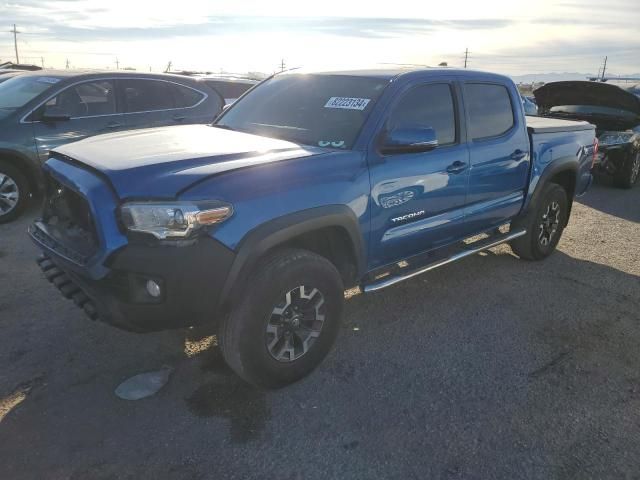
[(471, 249)]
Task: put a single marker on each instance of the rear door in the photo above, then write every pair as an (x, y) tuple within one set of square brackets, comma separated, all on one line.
[(92, 110), (418, 198), (499, 154)]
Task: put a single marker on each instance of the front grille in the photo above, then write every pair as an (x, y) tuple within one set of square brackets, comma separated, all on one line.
[(68, 215)]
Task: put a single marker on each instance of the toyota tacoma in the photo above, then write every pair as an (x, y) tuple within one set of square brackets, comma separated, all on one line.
[(310, 183)]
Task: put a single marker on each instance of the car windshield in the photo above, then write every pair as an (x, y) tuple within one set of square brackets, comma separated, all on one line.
[(19, 90), (320, 110)]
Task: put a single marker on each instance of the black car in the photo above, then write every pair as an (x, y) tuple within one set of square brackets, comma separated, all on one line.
[(613, 109)]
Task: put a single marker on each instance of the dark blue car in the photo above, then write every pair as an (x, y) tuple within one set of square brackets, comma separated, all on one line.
[(46, 109), (309, 183)]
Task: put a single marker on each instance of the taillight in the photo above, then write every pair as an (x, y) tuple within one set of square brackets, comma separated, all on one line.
[(595, 151)]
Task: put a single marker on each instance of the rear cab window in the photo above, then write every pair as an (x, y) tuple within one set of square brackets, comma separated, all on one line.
[(490, 110)]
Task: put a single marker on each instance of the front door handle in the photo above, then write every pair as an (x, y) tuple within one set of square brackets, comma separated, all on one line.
[(115, 125), (179, 118), (457, 167), (518, 155)]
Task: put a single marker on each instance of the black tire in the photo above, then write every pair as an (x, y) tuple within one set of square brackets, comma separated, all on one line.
[(253, 333), (544, 224), (629, 173), (12, 183)]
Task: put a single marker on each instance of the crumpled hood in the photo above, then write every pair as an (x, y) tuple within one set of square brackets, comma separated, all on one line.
[(163, 162), (586, 93)]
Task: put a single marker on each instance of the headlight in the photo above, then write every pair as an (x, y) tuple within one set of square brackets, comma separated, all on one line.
[(615, 138), (172, 219)]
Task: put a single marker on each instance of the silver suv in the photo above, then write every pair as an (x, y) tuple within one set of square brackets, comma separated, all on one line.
[(43, 110)]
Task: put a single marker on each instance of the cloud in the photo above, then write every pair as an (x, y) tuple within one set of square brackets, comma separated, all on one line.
[(222, 25)]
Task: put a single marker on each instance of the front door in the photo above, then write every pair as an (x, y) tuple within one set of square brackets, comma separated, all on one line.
[(77, 112), (418, 198)]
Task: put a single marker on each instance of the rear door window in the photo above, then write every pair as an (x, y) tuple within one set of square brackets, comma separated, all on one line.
[(490, 110), (186, 97), (147, 95)]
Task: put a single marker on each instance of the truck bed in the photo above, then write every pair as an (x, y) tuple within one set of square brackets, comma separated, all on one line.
[(554, 125)]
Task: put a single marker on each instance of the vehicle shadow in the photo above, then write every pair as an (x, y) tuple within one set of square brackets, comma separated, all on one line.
[(473, 349), (621, 203)]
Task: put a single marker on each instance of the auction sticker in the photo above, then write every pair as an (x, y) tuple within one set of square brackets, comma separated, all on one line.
[(348, 103)]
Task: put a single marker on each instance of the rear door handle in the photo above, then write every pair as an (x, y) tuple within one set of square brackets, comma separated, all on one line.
[(457, 167), (115, 125), (518, 155), (179, 118)]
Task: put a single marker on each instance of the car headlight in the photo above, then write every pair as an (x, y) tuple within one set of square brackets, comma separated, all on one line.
[(172, 219), (615, 138)]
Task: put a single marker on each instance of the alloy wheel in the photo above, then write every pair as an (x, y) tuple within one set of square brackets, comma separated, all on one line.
[(635, 168), (295, 323), (9, 194), (549, 223)]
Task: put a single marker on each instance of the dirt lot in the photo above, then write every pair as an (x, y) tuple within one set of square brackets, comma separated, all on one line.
[(489, 368)]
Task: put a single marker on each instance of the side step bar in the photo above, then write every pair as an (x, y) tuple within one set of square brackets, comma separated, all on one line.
[(472, 249)]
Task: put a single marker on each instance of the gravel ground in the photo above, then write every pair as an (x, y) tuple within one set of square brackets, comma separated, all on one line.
[(489, 368)]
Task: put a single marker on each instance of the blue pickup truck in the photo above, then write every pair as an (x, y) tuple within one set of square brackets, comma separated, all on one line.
[(310, 183)]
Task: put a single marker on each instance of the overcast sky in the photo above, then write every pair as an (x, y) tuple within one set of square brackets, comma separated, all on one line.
[(513, 37)]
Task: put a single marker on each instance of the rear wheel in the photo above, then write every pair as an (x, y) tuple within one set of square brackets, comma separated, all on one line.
[(14, 192), (286, 321), (629, 173), (544, 225)]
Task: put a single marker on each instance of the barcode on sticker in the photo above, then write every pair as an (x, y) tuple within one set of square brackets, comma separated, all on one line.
[(348, 103)]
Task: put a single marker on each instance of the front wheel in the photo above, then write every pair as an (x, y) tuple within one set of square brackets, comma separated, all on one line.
[(14, 192), (286, 320), (629, 173), (544, 225)]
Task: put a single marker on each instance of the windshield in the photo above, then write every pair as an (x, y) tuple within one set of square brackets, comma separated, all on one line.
[(19, 90), (321, 110)]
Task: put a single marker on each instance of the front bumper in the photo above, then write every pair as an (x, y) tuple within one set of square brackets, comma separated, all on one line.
[(191, 279)]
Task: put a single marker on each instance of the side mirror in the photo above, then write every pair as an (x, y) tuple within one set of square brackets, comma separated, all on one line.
[(409, 140)]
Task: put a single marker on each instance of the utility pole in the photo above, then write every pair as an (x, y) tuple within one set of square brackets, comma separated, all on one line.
[(67, 64), (168, 67), (282, 65), (15, 41), (466, 57), (604, 68), (117, 64), (42, 61)]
